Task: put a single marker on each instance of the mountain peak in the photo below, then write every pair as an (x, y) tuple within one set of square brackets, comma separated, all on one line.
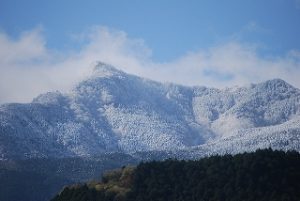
[(277, 81), (102, 69), (275, 84)]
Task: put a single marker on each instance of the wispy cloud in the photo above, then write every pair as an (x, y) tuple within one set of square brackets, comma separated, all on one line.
[(28, 67), (249, 29), (28, 47)]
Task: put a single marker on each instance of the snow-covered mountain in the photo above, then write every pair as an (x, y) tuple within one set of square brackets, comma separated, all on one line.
[(112, 111)]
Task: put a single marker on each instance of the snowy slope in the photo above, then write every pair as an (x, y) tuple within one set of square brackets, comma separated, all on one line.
[(112, 111)]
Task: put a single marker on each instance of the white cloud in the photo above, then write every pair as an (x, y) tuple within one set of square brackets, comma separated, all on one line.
[(28, 68), (225, 65), (28, 47)]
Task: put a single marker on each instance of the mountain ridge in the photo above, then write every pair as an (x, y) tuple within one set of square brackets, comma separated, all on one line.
[(113, 111)]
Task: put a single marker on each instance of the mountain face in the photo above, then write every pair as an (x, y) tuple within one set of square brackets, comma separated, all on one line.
[(112, 111)]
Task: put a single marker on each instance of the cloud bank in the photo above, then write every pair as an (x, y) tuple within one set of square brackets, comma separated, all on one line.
[(28, 67)]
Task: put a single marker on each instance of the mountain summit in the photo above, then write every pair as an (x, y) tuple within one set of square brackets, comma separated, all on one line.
[(112, 111), (102, 69)]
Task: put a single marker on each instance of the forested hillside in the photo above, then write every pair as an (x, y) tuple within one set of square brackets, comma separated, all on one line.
[(40, 179), (112, 111), (262, 175)]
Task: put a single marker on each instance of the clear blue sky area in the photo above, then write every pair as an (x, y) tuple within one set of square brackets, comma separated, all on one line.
[(169, 28)]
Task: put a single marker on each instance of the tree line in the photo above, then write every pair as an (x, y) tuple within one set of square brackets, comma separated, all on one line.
[(258, 176)]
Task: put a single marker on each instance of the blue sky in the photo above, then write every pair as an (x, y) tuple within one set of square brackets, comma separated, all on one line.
[(170, 28), (214, 43)]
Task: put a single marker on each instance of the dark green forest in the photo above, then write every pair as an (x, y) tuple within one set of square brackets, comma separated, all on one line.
[(262, 175)]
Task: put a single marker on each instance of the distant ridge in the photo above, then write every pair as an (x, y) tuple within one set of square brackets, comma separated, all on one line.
[(112, 111)]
